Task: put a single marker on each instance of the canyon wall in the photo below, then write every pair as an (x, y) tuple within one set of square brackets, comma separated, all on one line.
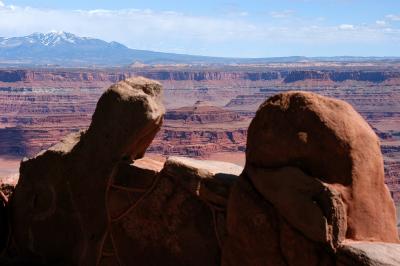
[(285, 76), (39, 106)]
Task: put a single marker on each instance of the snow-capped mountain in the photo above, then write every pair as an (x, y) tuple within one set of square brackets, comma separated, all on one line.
[(67, 49), (53, 38)]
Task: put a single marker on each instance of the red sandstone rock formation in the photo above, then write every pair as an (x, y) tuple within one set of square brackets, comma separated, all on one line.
[(313, 183), (61, 194), (349, 161), (313, 178)]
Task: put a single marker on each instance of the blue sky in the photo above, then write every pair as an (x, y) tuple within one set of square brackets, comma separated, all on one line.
[(257, 28)]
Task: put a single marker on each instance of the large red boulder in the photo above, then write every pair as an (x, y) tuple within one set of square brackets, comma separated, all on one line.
[(329, 141), (313, 181)]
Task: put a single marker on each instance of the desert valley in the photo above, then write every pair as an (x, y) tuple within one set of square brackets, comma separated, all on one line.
[(209, 107)]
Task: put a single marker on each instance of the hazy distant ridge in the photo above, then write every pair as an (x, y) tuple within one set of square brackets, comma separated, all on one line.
[(67, 49)]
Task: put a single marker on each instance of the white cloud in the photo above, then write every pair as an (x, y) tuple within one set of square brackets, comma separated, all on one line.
[(393, 17), (144, 29), (346, 27), (380, 23), (176, 32), (282, 14), (1, 4)]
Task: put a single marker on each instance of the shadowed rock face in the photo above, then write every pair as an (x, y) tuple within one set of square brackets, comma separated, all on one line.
[(177, 218), (61, 194), (312, 184)]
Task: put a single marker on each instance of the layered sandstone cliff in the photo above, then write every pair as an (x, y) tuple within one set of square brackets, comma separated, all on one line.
[(176, 74), (312, 192), (201, 130), (202, 113), (38, 107)]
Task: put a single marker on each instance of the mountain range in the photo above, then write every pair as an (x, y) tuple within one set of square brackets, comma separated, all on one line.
[(68, 50)]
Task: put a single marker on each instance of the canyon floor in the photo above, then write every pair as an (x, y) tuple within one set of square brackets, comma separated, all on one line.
[(208, 108)]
